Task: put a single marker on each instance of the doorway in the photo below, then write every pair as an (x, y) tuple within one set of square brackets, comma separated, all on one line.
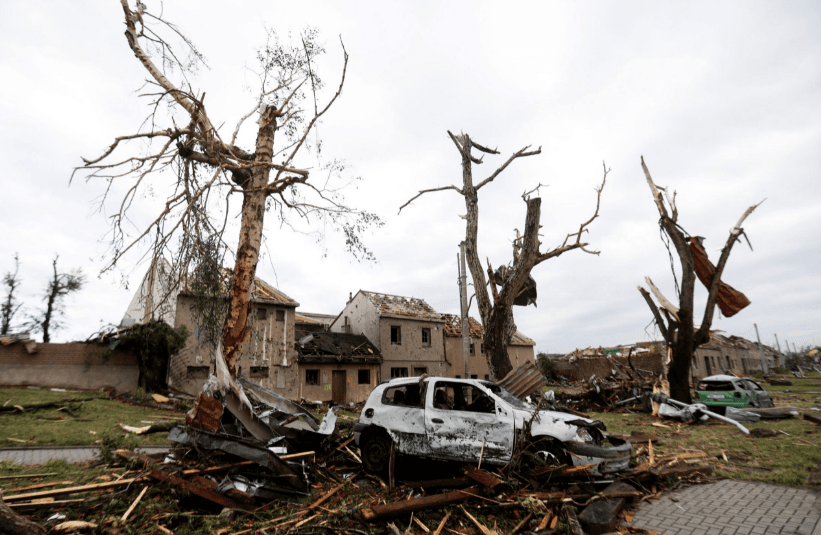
[(339, 382)]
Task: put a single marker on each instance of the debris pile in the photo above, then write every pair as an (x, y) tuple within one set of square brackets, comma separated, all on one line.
[(264, 464)]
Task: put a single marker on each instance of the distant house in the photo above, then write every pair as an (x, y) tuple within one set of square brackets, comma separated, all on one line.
[(337, 367), (520, 350), (408, 332)]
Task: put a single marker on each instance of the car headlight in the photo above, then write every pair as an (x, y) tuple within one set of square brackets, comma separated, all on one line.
[(584, 435)]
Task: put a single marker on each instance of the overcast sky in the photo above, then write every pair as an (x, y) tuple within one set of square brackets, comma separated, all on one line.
[(723, 100)]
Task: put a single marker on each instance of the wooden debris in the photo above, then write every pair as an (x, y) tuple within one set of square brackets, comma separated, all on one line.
[(159, 398), (418, 504), (484, 478), (28, 476), (193, 488), (134, 504), (73, 526), (43, 485), (442, 524), (524, 521), (68, 490), (484, 529), (421, 525)]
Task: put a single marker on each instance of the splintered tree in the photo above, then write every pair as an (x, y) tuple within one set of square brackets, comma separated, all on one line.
[(10, 306), (676, 324), (199, 167), (60, 286), (513, 278)]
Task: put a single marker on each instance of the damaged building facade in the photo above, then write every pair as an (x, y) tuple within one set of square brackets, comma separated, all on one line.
[(722, 354), (319, 357), (415, 339)]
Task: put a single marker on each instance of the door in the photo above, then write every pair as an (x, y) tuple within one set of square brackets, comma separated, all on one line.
[(464, 423), (339, 381)]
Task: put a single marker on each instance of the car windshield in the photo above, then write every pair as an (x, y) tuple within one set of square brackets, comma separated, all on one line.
[(512, 400), (716, 386)]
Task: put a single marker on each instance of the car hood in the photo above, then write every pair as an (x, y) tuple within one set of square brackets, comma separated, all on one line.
[(550, 423)]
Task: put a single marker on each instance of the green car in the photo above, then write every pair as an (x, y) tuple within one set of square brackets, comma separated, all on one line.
[(721, 391)]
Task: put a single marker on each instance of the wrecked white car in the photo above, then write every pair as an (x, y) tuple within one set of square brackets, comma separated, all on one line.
[(465, 420)]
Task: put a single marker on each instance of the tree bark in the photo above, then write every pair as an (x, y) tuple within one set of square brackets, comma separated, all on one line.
[(14, 524), (235, 332)]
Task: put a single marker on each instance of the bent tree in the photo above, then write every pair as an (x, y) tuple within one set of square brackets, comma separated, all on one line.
[(201, 168), (676, 324), (497, 311)]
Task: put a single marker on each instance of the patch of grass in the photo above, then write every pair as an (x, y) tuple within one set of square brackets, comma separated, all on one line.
[(786, 458), (89, 420)]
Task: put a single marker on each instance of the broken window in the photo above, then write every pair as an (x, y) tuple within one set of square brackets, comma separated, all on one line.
[(462, 397), (311, 377), (487, 377), (417, 372), (198, 372), (364, 377), (262, 313), (482, 350), (425, 337), (399, 372), (472, 348), (406, 396), (716, 386), (280, 315), (259, 371), (396, 336)]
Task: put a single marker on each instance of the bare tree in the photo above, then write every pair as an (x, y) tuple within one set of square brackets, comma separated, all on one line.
[(61, 285), (676, 324), (497, 313), (201, 167), (10, 307)]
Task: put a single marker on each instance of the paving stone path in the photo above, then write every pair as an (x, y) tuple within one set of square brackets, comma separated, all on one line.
[(731, 507), (71, 454)]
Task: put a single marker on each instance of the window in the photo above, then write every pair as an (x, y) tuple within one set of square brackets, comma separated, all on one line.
[(364, 377), (425, 337), (280, 315), (487, 377), (396, 335), (474, 376), (311, 377), (399, 372), (262, 313), (472, 348), (198, 372), (417, 372), (259, 371), (406, 396), (462, 397), (481, 348)]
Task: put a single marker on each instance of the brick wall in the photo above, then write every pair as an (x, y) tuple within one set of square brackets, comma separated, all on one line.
[(74, 365), (583, 368)]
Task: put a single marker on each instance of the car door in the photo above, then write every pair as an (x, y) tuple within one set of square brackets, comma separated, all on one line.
[(762, 396), (465, 422)]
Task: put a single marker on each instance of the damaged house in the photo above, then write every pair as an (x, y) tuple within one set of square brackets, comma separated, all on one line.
[(520, 350), (407, 331)]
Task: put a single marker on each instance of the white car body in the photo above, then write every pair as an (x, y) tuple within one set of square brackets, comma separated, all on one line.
[(434, 429)]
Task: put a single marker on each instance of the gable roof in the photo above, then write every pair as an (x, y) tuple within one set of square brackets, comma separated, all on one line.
[(396, 305), (453, 328), (313, 318)]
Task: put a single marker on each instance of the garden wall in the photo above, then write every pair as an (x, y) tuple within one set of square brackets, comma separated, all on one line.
[(70, 366)]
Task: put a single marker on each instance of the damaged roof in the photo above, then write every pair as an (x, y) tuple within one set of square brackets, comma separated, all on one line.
[(265, 293), (397, 305), (312, 318), (453, 328), (337, 347), (261, 291)]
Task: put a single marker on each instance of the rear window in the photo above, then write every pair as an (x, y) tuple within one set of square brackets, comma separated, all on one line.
[(716, 386)]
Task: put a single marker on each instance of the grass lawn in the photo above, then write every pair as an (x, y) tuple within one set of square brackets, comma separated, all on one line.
[(93, 416), (791, 457)]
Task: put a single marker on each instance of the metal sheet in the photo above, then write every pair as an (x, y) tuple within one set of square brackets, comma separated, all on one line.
[(524, 380), (280, 403)]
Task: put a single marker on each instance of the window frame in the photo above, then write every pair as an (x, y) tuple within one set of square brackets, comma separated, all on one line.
[(310, 381)]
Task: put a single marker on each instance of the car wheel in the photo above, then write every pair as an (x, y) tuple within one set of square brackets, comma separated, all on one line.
[(545, 452), (376, 452)]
